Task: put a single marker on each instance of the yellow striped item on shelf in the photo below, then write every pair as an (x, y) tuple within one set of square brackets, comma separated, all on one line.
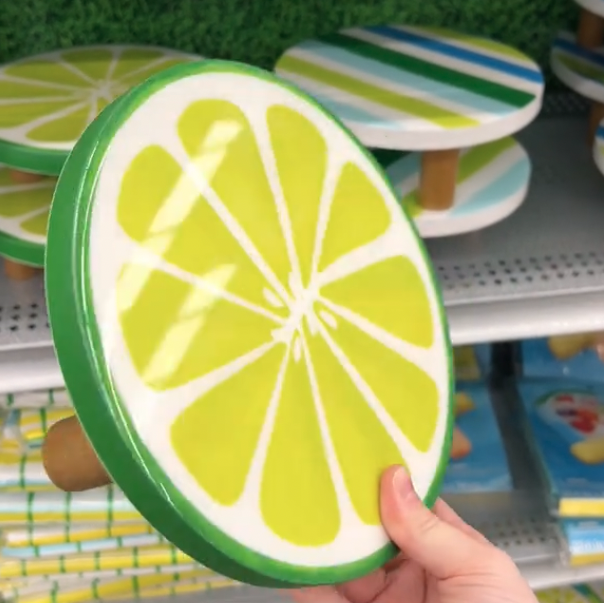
[(19, 471), (33, 535), (8, 586), (76, 590), (136, 557), (26, 428), (83, 546), (168, 590), (51, 398), (105, 506), (577, 593)]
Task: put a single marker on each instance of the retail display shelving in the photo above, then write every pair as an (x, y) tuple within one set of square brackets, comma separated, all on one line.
[(539, 272), (27, 359), (518, 522)]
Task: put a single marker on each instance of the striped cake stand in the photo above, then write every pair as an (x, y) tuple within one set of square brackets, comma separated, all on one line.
[(582, 70), (436, 93), (491, 183)]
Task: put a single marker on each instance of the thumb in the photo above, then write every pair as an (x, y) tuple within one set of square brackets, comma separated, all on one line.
[(440, 548)]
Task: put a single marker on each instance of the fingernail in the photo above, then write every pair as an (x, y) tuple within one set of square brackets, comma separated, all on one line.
[(402, 484)]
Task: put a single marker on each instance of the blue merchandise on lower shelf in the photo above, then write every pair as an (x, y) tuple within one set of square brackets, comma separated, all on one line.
[(478, 459)]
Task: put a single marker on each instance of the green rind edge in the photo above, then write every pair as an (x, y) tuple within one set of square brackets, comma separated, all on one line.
[(67, 294), (97, 404), (48, 162), (23, 252)]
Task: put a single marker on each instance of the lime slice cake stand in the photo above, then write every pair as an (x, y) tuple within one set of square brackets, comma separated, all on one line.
[(24, 208), (225, 272), (436, 93), (46, 102)]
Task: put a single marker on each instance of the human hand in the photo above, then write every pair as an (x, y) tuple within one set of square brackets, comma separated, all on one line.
[(442, 559)]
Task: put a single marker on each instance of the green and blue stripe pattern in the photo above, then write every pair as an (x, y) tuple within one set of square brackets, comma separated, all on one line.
[(581, 69), (492, 181), (410, 81)]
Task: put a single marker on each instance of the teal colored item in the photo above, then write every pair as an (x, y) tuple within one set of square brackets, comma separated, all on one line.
[(561, 416), (584, 537), (485, 467), (538, 360)]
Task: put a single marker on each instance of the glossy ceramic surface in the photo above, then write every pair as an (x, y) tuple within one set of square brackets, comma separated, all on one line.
[(492, 182), (48, 100), (23, 218), (413, 88), (248, 324)]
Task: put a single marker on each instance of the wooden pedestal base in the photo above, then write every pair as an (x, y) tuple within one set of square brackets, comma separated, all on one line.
[(69, 459), (438, 179), (19, 272), (591, 30), (19, 177)]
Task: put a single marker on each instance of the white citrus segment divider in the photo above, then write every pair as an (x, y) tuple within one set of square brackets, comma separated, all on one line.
[(268, 317), (48, 100), (24, 208)]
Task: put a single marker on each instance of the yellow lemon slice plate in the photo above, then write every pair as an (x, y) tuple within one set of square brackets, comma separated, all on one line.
[(48, 100), (248, 323)]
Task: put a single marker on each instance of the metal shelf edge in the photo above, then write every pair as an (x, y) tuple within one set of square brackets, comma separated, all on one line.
[(29, 369), (524, 318)]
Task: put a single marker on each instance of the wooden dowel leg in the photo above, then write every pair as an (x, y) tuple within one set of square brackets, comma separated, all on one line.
[(69, 459), (591, 30), (596, 115), (19, 272), (438, 179), (19, 177)]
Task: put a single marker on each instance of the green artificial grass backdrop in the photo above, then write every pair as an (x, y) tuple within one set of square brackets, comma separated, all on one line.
[(257, 31)]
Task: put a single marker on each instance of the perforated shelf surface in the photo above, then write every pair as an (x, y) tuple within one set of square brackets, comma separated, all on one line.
[(539, 272), (27, 360)]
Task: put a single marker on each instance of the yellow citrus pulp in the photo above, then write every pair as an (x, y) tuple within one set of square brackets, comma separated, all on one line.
[(267, 315)]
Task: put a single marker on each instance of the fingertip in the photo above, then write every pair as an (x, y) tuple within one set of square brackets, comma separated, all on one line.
[(388, 504), (388, 474)]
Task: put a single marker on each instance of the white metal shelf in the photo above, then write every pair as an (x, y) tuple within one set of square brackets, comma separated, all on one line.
[(539, 272), (27, 359)]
